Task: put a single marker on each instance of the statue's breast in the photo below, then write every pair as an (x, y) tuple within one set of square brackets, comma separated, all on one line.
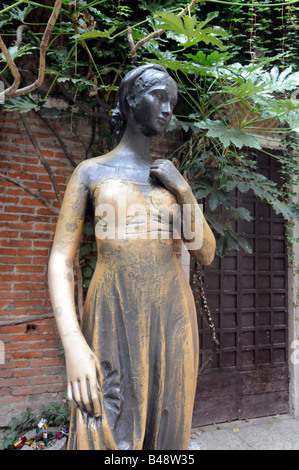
[(126, 209)]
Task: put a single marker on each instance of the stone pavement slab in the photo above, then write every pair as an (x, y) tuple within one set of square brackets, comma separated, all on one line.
[(280, 432)]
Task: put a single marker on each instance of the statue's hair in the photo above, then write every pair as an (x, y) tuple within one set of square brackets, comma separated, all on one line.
[(132, 84)]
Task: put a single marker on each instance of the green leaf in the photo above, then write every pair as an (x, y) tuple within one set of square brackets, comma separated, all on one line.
[(20, 15), (87, 273), (173, 124), (210, 59), (188, 31), (15, 52), (236, 241), (94, 34), (23, 104), (215, 224), (288, 211), (228, 135), (213, 201), (230, 185), (85, 250), (169, 61), (173, 22), (244, 90), (75, 81), (201, 193), (292, 118), (241, 213)]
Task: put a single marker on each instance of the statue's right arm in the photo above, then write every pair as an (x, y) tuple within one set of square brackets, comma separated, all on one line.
[(82, 365)]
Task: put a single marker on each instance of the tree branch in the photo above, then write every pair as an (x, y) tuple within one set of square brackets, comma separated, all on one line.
[(14, 92), (14, 70), (58, 137), (80, 105), (33, 192), (42, 158)]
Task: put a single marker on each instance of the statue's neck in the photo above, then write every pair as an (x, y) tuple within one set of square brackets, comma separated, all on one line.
[(134, 147)]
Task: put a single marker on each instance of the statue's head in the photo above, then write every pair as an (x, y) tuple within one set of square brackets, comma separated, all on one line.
[(147, 96)]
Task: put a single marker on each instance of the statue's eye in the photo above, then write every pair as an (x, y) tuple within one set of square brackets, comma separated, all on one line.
[(159, 94)]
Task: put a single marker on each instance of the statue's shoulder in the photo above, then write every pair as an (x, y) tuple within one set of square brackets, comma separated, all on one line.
[(89, 171)]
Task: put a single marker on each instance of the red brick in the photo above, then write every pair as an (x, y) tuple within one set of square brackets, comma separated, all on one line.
[(43, 243), (33, 201), (46, 362), (28, 372), (6, 287), (16, 260), (9, 148), (37, 389), (16, 243), (45, 211), (7, 252), (27, 337), (32, 218), (5, 373), (12, 329), (48, 153), (9, 200), (21, 141), (15, 382), (28, 354), (9, 401), (33, 170), (6, 269), (6, 217), (17, 209), (22, 364), (27, 286), (46, 380), (9, 234)]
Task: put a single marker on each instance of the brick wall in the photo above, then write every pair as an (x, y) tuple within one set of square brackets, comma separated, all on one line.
[(31, 367)]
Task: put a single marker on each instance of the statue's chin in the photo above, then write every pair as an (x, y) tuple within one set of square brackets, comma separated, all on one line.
[(149, 132)]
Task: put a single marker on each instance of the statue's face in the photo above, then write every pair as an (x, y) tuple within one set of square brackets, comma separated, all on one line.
[(152, 108)]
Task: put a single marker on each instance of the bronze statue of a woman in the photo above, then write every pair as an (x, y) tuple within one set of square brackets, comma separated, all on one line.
[(132, 363)]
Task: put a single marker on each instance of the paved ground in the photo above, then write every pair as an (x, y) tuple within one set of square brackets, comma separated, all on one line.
[(280, 432)]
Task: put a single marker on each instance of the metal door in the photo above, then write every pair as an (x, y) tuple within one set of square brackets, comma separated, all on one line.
[(247, 296)]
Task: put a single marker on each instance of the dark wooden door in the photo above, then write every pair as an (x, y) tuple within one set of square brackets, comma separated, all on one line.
[(247, 296)]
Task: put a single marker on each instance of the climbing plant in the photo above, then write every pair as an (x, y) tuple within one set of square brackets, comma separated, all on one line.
[(235, 86)]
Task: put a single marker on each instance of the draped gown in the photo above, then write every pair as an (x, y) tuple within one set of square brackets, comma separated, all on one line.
[(140, 320)]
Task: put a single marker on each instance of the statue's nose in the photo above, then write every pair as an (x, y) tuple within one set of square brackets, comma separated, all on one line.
[(166, 109)]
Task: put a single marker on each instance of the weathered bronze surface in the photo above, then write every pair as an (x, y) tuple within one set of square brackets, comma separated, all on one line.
[(132, 363)]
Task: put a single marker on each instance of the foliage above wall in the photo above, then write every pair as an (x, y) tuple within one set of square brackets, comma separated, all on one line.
[(237, 73)]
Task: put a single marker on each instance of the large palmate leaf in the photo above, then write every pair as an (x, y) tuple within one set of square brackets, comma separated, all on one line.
[(292, 118), (16, 51), (187, 31), (226, 237), (228, 135), (23, 104), (18, 14)]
